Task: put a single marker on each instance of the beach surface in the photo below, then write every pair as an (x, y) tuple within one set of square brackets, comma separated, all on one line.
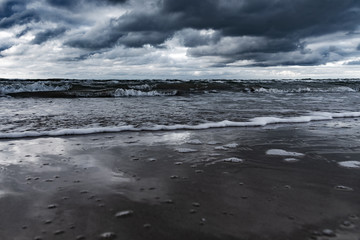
[(298, 181)]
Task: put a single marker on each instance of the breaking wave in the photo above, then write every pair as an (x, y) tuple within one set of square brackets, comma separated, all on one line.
[(72, 88), (254, 122), (139, 93)]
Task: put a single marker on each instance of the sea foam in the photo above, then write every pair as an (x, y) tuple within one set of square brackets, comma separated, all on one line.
[(254, 122), (350, 164), (280, 152)]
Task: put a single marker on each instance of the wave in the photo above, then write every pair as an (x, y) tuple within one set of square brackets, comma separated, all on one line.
[(139, 93), (18, 87), (69, 88), (304, 90), (254, 122)]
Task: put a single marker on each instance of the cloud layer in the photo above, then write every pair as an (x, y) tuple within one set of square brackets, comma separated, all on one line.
[(176, 38)]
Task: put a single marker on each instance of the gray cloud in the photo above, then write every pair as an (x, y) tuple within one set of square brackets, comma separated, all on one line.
[(48, 34), (260, 32), (280, 26)]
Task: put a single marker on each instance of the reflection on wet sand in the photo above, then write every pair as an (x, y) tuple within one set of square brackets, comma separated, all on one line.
[(146, 186)]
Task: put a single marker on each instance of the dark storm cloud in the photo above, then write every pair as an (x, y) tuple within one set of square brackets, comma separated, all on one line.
[(263, 32), (76, 4), (115, 1), (14, 12), (281, 24), (271, 18), (192, 38), (64, 3), (46, 35)]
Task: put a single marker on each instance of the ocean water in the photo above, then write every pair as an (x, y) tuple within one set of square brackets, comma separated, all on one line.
[(32, 108)]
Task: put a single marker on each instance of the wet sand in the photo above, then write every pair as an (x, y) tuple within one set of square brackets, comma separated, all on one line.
[(210, 184)]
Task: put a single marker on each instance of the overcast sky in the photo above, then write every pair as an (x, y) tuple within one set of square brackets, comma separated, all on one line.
[(186, 39)]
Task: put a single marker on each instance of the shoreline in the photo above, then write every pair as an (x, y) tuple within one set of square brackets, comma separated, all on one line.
[(181, 184)]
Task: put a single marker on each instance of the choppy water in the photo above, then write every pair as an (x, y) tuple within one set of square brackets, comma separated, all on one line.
[(60, 107)]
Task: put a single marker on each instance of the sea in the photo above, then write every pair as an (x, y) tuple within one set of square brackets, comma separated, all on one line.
[(59, 107)]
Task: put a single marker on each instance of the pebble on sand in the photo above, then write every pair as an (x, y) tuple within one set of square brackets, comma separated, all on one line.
[(107, 235), (123, 214), (343, 188), (328, 232), (52, 206)]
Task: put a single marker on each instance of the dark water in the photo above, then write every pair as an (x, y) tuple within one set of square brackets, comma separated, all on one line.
[(60, 107)]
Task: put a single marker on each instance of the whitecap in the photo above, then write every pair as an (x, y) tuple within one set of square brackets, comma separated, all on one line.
[(185, 150), (350, 164), (280, 152)]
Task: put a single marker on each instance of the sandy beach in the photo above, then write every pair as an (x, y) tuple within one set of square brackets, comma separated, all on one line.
[(276, 182)]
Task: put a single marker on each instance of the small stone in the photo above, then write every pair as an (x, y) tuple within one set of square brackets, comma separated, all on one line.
[(169, 201), (80, 237), (196, 204), (178, 163), (199, 171), (346, 223), (48, 222), (147, 225), (174, 176), (107, 235), (59, 232), (328, 233), (52, 206), (192, 211), (37, 238), (343, 188), (123, 214)]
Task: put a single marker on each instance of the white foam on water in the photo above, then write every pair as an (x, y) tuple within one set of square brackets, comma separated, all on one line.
[(185, 150), (194, 142), (138, 93), (255, 122), (350, 164), (33, 87), (233, 160), (221, 148), (305, 90), (231, 145), (291, 160), (280, 152)]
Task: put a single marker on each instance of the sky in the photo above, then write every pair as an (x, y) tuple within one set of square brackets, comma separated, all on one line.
[(179, 39)]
